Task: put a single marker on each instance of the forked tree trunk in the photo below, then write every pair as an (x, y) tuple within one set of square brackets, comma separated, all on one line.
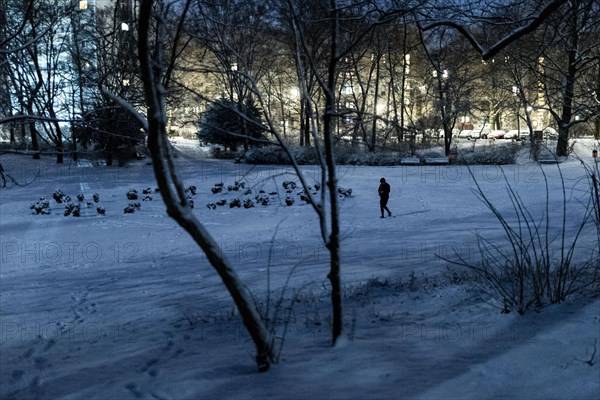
[(174, 197)]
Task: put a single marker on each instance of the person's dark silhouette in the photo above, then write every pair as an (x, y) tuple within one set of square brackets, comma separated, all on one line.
[(384, 196)]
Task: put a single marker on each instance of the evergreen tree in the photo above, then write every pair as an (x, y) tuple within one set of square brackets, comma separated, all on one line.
[(231, 124)]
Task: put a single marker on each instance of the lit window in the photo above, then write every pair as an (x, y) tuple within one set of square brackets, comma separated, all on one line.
[(124, 26), (83, 5)]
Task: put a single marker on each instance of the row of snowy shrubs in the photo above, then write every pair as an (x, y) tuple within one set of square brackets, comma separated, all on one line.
[(347, 155), (498, 154), (344, 155)]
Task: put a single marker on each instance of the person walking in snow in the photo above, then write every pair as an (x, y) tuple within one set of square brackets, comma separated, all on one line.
[(384, 196)]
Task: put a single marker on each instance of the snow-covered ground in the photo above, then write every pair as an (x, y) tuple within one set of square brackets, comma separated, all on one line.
[(126, 306)]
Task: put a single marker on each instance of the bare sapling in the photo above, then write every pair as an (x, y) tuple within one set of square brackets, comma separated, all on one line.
[(535, 265)]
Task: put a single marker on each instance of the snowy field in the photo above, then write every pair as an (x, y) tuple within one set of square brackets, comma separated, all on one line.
[(125, 306)]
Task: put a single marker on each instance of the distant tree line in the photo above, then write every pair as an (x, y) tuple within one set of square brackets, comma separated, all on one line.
[(409, 69)]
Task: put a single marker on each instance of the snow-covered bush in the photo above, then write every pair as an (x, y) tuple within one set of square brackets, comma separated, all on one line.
[(72, 209), (132, 194), (344, 155), (59, 196), (262, 199), (348, 155), (537, 266), (289, 200), (266, 155), (132, 207), (42, 206), (236, 186), (304, 197), (289, 186), (345, 192), (498, 154)]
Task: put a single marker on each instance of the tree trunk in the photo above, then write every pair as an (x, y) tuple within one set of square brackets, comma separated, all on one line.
[(564, 124), (59, 137), (175, 200), (375, 101), (333, 244), (306, 131), (35, 144)]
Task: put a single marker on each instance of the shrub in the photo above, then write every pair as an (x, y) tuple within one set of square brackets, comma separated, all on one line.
[(498, 154), (344, 155), (536, 267)]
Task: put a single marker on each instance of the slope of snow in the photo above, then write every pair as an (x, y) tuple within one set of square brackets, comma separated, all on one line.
[(126, 306)]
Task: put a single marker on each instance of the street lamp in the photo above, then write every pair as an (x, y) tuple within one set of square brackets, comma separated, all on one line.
[(294, 93)]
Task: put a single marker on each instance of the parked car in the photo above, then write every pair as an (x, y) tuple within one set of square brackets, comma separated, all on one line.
[(515, 134), (496, 134), (465, 134), (481, 131), (477, 134)]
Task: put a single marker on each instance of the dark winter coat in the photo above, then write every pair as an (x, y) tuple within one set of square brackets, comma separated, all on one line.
[(384, 190)]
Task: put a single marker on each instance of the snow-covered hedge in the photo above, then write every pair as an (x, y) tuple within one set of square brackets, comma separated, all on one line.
[(499, 154), (344, 155)]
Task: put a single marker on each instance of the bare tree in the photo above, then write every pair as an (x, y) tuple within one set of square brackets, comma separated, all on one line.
[(338, 16), (311, 60), (5, 100), (567, 66), (38, 76), (462, 16), (237, 34), (172, 189), (452, 78)]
